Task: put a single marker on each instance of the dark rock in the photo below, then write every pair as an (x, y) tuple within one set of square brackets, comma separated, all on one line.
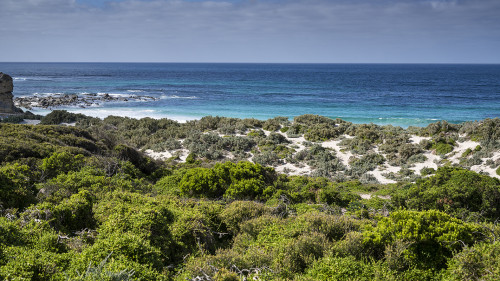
[(6, 97), (85, 100)]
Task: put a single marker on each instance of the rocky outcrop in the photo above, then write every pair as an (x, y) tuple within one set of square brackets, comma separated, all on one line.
[(6, 97), (83, 100)]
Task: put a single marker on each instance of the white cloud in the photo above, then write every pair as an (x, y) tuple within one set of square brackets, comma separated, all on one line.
[(300, 30)]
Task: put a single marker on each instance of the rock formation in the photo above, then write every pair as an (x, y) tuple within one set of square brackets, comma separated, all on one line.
[(82, 100), (6, 101)]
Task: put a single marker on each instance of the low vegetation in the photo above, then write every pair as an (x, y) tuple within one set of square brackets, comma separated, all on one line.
[(85, 203)]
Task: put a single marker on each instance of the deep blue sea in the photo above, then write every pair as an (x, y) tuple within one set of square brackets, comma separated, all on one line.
[(397, 94)]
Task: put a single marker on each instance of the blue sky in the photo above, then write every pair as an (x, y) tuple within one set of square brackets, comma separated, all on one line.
[(316, 31)]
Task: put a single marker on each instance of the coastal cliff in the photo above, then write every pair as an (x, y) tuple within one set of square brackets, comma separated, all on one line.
[(6, 96)]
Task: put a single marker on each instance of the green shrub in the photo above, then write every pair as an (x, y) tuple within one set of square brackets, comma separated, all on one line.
[(480, 262), (170, 184), (99, 273), (26, 263), (340, 268), (129, 252), (485, 131), (197, 229), (427, 171), (322, 132), (443, 148), (300, 253), (267, 158), (334, 227), (202, 182), (14, 119), (16, 188), (408, 150), (146, 219), (357, 145), (351, 245), (256, 134), (88, 178), (284, 129), (226, 275), (456, 191), (275, 123), (368, 162), (432, 236), (439, 128), (239, 211), (61, 162), (24, 141), (62, 116), (143, 163), (274, 139), (467, 152), (75, 213), (238, 181), (334, 195), (312, 119)]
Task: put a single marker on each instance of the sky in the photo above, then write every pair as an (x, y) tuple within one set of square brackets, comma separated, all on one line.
[(274, 31)]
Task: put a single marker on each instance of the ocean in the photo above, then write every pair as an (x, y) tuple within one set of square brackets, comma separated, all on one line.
[(398, 94)]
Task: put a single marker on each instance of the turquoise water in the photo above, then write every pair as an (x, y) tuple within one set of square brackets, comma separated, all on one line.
[(398, 94)]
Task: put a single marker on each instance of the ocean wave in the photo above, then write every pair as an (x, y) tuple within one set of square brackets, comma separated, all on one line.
[(32, 78), (136, 113), (48, 94), (178, 97), (136, 91), (406, 118)]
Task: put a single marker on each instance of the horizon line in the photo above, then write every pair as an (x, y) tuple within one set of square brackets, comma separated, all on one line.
[(180, 62)]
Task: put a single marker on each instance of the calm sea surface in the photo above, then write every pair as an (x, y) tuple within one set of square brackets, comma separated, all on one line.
[(398, 94)]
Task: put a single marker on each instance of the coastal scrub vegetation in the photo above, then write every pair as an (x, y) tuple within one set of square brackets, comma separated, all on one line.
[(87, 203)]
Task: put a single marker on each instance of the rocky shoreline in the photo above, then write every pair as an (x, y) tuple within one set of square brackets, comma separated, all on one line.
[(82, 100)]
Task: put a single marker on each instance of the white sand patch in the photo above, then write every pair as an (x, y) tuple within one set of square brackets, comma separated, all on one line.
[(343, 156), (299, 142), (158, 155), (461, 148), (377, 173), (418, 139), (164, 155), (431, 161), (183, 154), (369, 196), (487, 169), (365, 196), (292, 170), (72, 124)]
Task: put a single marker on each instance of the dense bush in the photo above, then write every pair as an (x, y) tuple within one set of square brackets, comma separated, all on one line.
[(480, 262), (239, 181), (275, 123), (16, 190), (57, 117), (432, 236), (86, 204), (24, 141), (456, 191), (368, 162), (61, 162)]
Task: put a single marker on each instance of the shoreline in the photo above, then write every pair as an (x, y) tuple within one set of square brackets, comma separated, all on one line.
[(102, 111)]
